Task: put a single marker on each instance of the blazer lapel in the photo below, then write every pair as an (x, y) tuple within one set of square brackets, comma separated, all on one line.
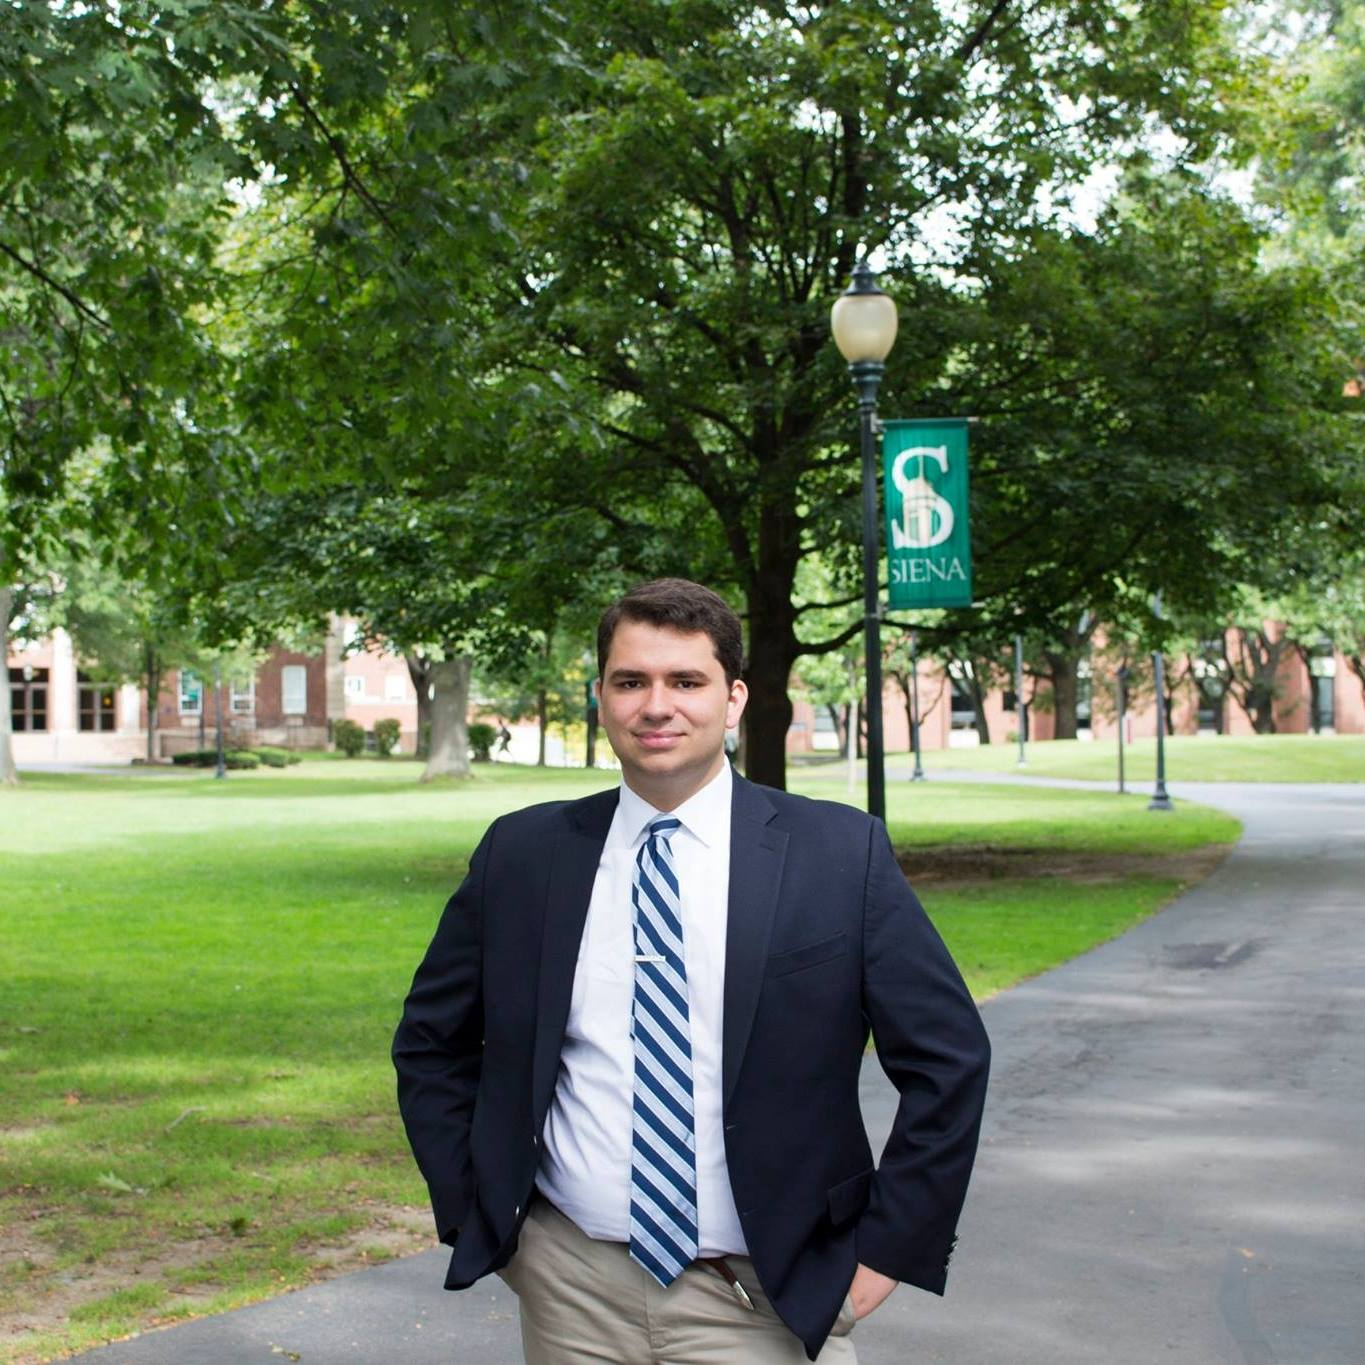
[(757, 855), (573, 868)]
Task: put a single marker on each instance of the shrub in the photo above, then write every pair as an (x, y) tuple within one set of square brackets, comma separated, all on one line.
[(481, 739), (348, 737), (276, 758), (386, 733), (208, 758)]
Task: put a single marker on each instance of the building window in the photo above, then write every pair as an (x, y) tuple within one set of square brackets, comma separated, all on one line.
[(395, 687), (96, 705), (962, 695), (355, 688), (294, 690), (191, 693), (28, 698), (242, 699)]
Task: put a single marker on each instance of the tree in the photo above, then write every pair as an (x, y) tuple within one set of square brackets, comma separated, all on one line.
[(112, 194), (445, 581), (608, 274), (589, 250), (689, 224), (391, 563)]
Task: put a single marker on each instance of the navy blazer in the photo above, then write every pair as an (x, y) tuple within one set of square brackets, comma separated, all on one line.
[(825, 941)]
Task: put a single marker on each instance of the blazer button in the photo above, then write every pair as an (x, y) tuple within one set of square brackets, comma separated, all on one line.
[(516, 1213)]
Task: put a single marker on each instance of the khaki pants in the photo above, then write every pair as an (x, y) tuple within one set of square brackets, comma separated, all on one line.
[(583, 1300)]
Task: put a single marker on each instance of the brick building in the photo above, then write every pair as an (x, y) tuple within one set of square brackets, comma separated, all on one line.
[(1323, 696), (62, 715)]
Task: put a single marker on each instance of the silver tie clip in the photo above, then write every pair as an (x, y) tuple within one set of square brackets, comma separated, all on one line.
[(650, 957)]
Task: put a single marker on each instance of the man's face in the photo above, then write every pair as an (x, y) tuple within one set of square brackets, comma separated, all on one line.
[(665, 706)]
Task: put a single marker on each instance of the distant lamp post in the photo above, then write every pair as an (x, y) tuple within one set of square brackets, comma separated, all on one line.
[(864, 321), (1120, 704), (1020, 716), (1160, 798)]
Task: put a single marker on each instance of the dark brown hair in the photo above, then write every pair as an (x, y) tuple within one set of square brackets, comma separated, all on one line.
[(681, 605)]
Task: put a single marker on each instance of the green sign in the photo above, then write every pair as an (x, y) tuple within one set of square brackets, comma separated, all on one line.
[(928, 542)]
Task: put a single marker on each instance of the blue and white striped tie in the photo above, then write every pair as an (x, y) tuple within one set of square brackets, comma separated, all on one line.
[(663, 1167)]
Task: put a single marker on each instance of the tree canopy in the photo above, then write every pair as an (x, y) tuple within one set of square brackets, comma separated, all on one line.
[(534, 300)]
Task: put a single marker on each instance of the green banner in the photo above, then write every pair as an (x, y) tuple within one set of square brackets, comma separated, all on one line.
[(928, 542)]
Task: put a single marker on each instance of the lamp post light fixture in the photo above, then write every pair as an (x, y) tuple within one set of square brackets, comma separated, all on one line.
[(864, 321)]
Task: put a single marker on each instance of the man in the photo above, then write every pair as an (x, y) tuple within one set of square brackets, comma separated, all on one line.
[(629, 1062)]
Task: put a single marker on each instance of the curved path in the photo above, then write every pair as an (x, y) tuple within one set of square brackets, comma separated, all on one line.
[(1171, 1166)]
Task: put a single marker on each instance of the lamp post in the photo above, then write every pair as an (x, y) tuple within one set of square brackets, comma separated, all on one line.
[(1020, 716), (863, 321), (1160, 798), (1120, 703)]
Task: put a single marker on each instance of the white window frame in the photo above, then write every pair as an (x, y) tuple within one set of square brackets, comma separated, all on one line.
[(395, 687), (186, 677), (355, 687), (239, 693), (294, 699)]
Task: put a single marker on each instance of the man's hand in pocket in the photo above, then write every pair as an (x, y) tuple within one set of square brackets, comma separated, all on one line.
[(868, 1289)]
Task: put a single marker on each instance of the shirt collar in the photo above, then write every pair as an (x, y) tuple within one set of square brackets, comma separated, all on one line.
[(705, 814)]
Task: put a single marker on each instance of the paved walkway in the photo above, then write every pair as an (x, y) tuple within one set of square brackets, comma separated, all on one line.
[(1170, 1170)]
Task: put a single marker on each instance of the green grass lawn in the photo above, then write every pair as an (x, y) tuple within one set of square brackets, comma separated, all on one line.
[(199, 980), (1189, 758)]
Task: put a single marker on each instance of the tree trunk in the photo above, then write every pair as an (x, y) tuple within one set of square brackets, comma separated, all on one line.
[(9, 774), (1062, 671), (770, 716), (152, 669), (902, 681), (983, 730), (852, 757), (542, 724), (419, 670), (449, 755), (840, 727), (773, 649), (1261, 705), (1254, 676)]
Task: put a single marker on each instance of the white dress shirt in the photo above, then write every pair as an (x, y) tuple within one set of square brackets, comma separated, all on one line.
[(586, 1152)]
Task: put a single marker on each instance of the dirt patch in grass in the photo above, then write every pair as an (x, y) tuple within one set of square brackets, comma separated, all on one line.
[(965, 865), (37, 1299)]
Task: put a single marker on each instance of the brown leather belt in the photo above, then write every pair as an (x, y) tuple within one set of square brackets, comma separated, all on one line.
[(722, 1268)]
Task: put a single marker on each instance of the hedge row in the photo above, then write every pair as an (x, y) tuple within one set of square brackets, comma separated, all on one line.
[(236, 758)]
